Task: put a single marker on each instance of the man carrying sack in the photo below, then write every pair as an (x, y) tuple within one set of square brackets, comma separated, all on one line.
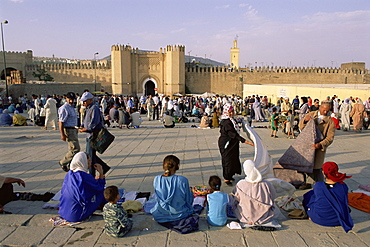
[(327, 128), (93, 123)]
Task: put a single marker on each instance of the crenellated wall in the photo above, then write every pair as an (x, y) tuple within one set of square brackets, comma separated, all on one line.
[(76, 73), (224, 80)]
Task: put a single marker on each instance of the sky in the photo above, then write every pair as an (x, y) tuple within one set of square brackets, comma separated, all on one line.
[(293, 33)]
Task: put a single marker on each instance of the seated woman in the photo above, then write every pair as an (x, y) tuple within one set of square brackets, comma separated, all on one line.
[(81, 193), (5, 118), (327, 203), (174, 198), (254, 197), (18, 119), (204, 122)]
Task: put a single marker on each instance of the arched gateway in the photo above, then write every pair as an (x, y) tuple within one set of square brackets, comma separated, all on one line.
[(163, 70), (150, 86)]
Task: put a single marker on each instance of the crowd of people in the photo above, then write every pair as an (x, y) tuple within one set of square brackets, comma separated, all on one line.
[(252, 199)]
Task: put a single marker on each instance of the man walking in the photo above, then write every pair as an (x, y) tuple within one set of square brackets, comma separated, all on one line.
[(93, 122), (68, 130)]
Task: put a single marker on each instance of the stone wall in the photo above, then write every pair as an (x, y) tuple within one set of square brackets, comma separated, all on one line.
[(50, 88), (73, 73), (222, 80), (273, 92)]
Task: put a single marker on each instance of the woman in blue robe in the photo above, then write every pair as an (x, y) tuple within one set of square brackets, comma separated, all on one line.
[(5, 118), (81, 193), (174, 198), (327, 203)]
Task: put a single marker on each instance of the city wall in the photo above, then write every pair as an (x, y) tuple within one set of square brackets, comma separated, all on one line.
[(222, 80), (273, 92), (50, 88), (76, 73)]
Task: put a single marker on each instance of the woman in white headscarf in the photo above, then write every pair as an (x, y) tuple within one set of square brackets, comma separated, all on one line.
[(81, 193), (345, 110), (357, 115), (254, 197), (228, 143)]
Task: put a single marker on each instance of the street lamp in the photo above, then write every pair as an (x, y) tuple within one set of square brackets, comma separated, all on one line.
[(2, 38), (96, 53)]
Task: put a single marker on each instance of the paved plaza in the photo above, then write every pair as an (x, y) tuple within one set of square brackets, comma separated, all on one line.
[(136, 158)]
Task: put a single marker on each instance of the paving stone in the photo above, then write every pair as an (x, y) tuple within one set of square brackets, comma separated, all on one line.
[(85, 237), (41, 220), (187, 243), (288, 238), (218, 238), (258, 238), (129, 239), (95, 222), (27, 236), (196, 236), (346, 239), (317, 239), (59, 236), (153, 238), (14, 219), (5, 231)]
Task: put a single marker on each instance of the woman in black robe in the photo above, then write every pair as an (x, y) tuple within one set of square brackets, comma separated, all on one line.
[(228, 144)]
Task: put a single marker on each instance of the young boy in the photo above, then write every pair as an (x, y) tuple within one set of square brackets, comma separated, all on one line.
[(274, 123), (117, 223), (289, 125), (216, 203)]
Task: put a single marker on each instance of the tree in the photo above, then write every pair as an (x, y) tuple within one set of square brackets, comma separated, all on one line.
[(42, 75)]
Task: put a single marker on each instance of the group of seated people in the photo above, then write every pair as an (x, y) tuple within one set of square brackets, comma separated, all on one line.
[(119, 116), (16, 120), (252, 199)]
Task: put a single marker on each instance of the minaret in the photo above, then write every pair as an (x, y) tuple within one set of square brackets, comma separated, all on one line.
[(234, 54)]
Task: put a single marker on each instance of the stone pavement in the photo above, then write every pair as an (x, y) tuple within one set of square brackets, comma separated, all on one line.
[(33, 154)]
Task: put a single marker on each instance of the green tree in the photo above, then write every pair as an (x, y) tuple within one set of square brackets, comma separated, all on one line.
[(42, 75)]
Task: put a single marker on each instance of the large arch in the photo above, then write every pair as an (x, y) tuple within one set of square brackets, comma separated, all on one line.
[(149, 84), (8, 69)]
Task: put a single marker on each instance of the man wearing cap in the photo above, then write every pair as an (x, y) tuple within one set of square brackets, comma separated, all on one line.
[(285, 106), (93, 122), (68, 130)]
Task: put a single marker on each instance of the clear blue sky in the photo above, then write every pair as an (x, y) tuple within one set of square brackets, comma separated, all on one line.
[(285, 32)]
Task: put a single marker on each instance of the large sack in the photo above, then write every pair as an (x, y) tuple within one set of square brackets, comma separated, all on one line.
[(300, 156)]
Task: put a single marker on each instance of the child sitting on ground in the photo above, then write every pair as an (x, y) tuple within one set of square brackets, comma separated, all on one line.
[(117, 222), (216, 203)]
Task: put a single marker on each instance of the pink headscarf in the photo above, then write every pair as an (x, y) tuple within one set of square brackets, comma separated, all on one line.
[(225, 113)]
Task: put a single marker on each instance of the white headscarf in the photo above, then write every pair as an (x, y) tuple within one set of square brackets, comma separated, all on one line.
[(251, 172), (79, 163)]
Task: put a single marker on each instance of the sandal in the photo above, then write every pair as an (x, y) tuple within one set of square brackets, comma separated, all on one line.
[(228, 182), (263, 228)]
